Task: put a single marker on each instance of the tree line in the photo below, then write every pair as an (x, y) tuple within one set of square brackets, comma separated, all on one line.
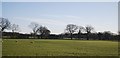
[(72, 31)]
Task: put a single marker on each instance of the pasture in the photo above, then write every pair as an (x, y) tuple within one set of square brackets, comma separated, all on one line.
[(38, 47), (0, 47)]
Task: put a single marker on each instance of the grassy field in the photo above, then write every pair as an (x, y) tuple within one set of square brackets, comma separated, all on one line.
[(34, 47), (0, 47)]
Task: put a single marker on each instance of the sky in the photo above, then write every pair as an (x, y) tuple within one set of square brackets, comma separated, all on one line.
[(0, 9), (60, 0), (119, 17), (103, 16)]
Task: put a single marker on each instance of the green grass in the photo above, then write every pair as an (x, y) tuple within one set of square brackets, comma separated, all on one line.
[(24, 47), (0, 47)]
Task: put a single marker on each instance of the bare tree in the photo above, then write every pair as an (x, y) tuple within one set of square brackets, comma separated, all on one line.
[(107, 35), (43, 31), (119, 35), (119, 32), (14, 27), (4, 24), (80, 29), (88, 29), (100, 35), (34, 27), (71, 28)]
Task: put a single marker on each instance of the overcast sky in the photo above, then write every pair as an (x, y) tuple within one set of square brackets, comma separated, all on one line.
[(103, 16)]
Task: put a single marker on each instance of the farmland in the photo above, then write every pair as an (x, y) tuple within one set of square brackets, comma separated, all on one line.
[(39, 47)]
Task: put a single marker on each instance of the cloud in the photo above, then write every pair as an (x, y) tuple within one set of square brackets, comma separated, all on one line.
[(56, 23), (66, 19), (42, 21), (53, 19)]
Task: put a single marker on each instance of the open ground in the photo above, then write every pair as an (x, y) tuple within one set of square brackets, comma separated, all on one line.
[(39, 47)]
